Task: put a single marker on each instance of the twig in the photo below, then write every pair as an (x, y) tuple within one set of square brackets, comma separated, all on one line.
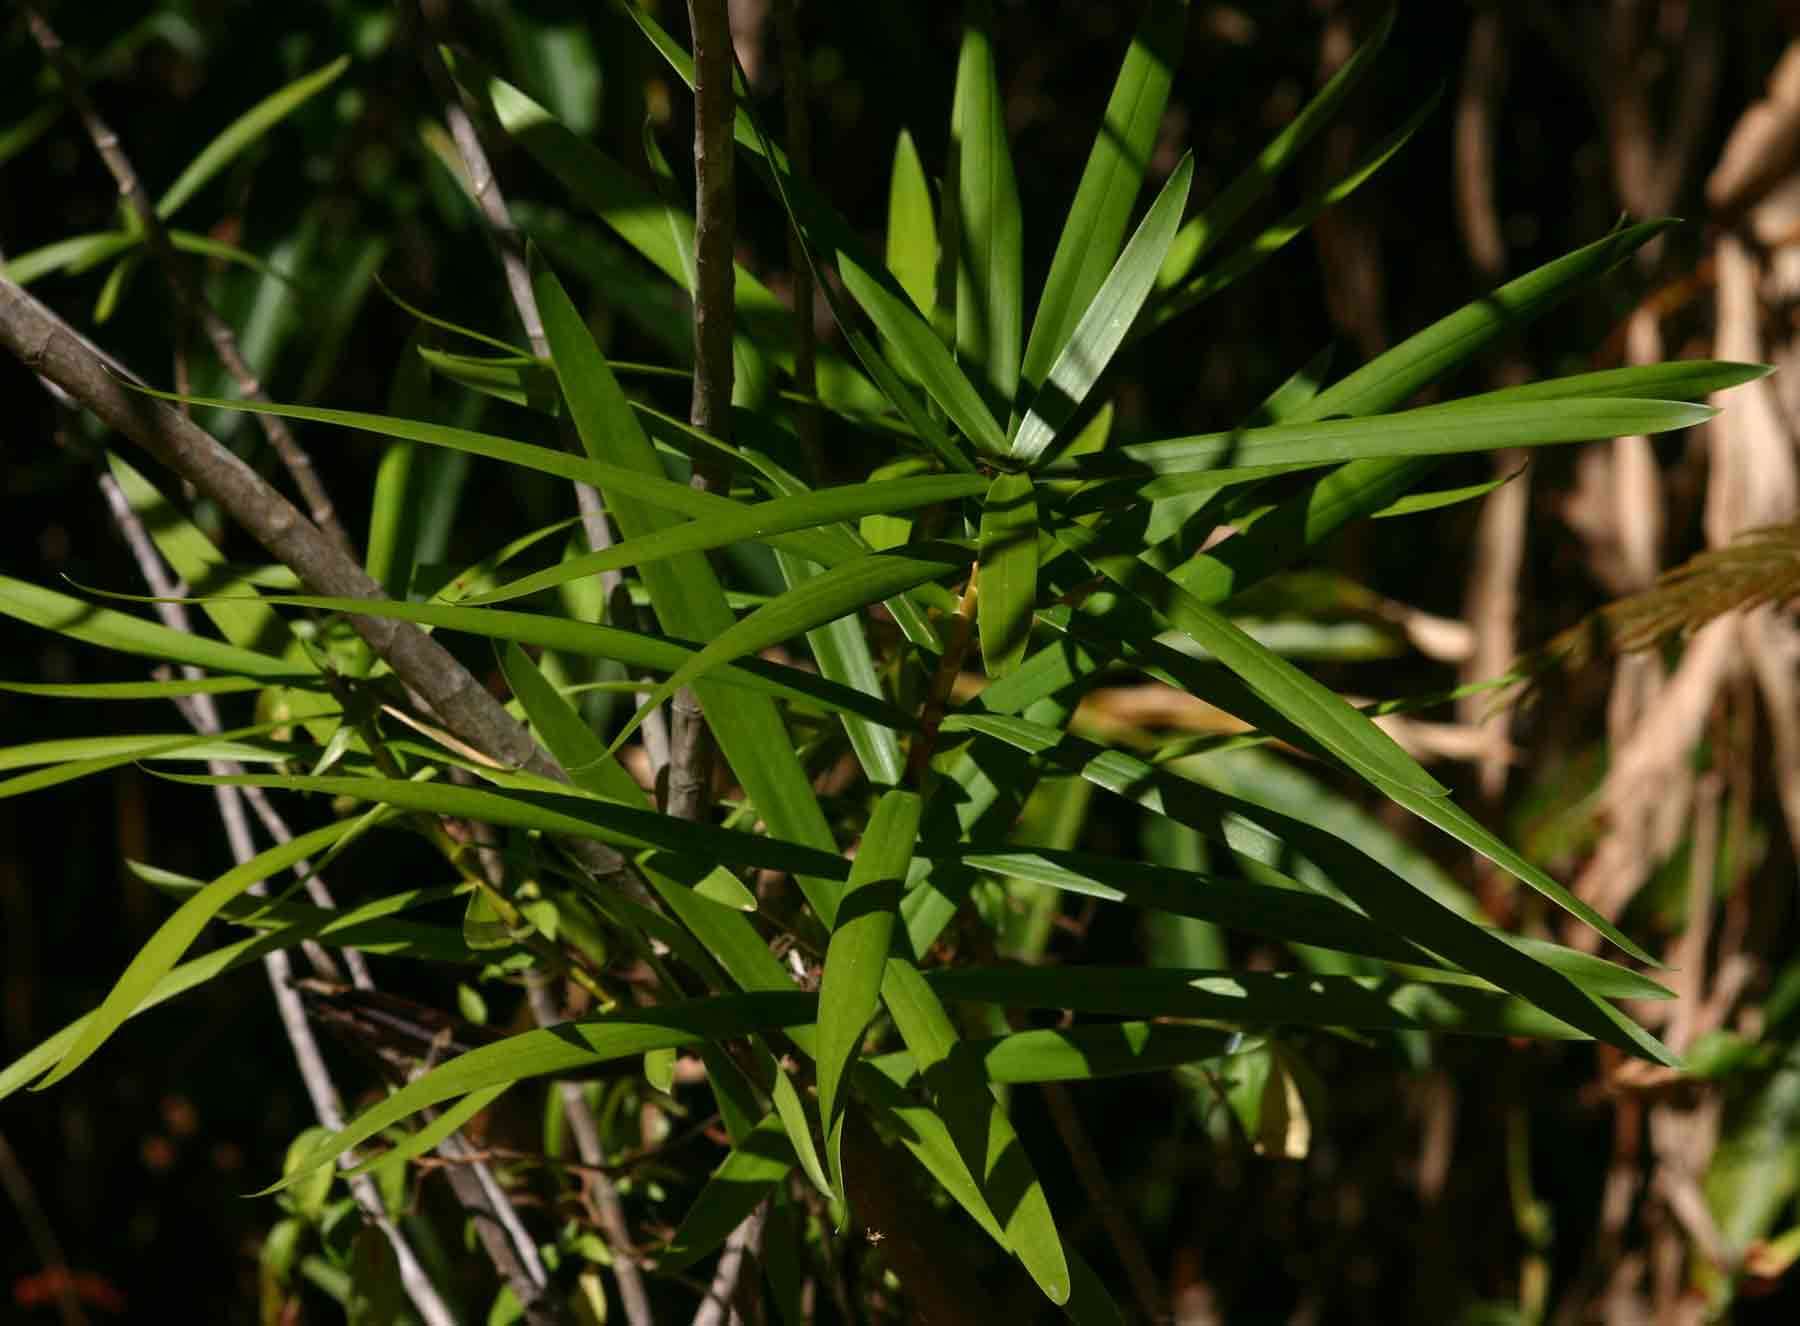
[(608, 1209), (45, 344), (690, 751), (509, 1247), (740, 1249), (1088, 1169), (42, 1235), (188, 294)]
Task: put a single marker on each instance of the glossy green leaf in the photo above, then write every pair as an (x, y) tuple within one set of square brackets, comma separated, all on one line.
[(1418, 503), (1325, 716), (87, 622), (1677, 380), (912, 243), (566, 734), (990, 286), (568, 1048), (850, 989), (751, 676), (752, 1171), (173, 937), (1435, 431), (1081, 1053), (145, 690), (243, 133), (69, 765), (1200, 234), (557, 813), (826, 597), (978, 1124), (792, 1112), (1261, 838), (1272, 239), (841, 650), (652, 489), (427, 1138), (1252, 998), (751, 523), (1007, 599), (1103, 203), (1101, 330), (917, 349), (688, 598)]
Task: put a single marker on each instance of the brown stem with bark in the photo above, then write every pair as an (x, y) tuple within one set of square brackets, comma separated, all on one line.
[(188, 295), (715, 106)]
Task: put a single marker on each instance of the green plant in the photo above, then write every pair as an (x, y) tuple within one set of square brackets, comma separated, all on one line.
[(986, 511)]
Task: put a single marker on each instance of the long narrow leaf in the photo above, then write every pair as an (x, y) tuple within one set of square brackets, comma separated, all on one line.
[(1101, 330), (990, 294), (1109, 185), (243, 132), (836, 593), (1009, 572), (850, 989)]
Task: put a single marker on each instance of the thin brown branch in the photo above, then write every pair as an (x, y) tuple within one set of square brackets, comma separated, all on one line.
[(188, 295), (715, 106), (41, 1233), (44, 344)]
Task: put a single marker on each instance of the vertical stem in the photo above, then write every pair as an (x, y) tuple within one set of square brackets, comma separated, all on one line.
[(690, 753)]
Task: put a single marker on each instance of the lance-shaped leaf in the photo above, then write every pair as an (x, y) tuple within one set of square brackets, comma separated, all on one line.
[(836, 593), (1259, 838), (912, 245), (79, 757), (850, 989), (754, 523), (1009, 572), (142, 690), (558, 810), (243, 132), (80, 620), (1320, 712), (978, 1125), (566, 1048), (989, 276), (1228, 208), (1082, 1053), (687, 595), (1109, 185), (1103, 325), (635, 649), (173, 937), (654, 490), (582, 755), (1273, 239), (753, 1170), (841, 649), (1434, 431), (918, 350)]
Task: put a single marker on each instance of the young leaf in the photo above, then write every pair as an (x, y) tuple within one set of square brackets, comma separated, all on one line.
[(1103, 325), (989, 277), (918, 350), (567, 1048), (243, 132), (1109, 185), (173, 938), (912, 247), (1228, 208), (1009, 570)]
